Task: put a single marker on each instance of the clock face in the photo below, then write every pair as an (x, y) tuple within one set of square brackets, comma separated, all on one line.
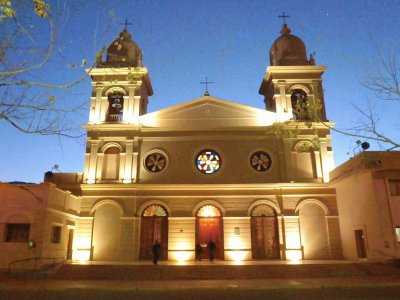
[(208, 161), (155, 162), (260, 161)]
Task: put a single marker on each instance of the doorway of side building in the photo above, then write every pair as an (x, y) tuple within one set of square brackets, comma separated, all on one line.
[(69, 245), (360, 243), (209, 226), (154, 227), (264, 233)]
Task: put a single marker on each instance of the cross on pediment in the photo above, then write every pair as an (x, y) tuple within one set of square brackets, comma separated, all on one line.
[(206, 93), (283, 16)]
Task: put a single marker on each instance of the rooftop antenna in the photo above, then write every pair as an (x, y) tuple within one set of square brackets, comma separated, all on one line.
[(364, 146), (55, 167)]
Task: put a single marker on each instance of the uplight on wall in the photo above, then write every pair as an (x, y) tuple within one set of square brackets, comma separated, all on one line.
[(294, 255)]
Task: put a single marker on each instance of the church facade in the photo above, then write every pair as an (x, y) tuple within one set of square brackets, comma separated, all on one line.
[(254, 181)]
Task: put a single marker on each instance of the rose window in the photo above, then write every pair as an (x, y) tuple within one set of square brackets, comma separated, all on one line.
[(208, 161), (260, 161), (155, 162)]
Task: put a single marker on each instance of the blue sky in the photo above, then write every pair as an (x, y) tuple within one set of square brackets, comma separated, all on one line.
[(227, 41)]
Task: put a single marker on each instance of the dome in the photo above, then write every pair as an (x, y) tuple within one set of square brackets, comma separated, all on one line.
[(123, 52), (288, 50)]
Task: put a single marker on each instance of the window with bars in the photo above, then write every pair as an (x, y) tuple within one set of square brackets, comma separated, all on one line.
[(17, 233)]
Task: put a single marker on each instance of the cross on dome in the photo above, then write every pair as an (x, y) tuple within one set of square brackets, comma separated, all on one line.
[(126, 24), (283, 16)]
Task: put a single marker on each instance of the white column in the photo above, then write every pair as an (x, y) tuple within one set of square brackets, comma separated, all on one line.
[(127, 177), (93, 161), (98, 104)]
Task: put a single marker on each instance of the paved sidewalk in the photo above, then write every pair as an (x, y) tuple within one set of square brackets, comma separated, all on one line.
[(368, 287)]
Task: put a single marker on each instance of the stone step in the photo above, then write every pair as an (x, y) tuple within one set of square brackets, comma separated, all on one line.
[(215, 271)]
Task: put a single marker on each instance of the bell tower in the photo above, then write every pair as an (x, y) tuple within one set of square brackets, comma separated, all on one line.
[(292, 85), (292, 88), (120, 90)]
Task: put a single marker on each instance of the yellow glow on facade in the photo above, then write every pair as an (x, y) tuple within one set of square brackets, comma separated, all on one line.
[(182, 256), (81, 250), (91, 181), (295, 255), (81, 255), (293, 240), (236, 255)]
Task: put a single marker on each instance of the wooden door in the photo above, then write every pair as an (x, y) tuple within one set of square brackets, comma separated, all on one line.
[(69, 245), (360, 242), (210, 228), (264, 238), (152, 229)]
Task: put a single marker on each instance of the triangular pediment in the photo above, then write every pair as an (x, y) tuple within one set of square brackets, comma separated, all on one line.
[(208, 112)]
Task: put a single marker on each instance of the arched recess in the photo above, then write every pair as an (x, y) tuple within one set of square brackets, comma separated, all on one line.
[(18, 216), (153, 227), (106, 230), (300, 103), (315, 201), (111, 161), (209, 227), (115, 89), (306, 160), (313, 229), (115, 98), (264, 230)]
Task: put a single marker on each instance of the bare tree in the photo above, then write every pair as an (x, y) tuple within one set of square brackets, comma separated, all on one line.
[(28, 97), (384, 83)]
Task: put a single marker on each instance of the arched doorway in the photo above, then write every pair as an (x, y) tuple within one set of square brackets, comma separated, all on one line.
[(209, 226), (153, 226), (264, 233)]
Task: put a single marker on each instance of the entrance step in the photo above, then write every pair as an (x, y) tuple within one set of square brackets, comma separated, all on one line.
[(221, 272)]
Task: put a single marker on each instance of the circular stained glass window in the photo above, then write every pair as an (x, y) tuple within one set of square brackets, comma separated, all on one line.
[(208, 161), (260, 161), (155, 162)]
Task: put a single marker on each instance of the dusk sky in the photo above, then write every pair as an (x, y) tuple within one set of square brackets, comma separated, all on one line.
[(183, 41)]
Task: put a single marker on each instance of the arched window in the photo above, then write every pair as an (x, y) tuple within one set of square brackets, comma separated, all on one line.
[(208, 211), (115, 107), (154, 210), (300, 105), (111, 164)]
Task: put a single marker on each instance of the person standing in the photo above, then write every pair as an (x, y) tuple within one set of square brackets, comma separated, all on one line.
[(198, 251), (156, 251), (211, 248)]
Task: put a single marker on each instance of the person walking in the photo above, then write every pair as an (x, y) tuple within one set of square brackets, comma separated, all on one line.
[(156, 251), (211, 248), (198, 251)]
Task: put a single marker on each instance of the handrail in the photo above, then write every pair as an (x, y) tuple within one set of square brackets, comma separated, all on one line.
[(35, 259)]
